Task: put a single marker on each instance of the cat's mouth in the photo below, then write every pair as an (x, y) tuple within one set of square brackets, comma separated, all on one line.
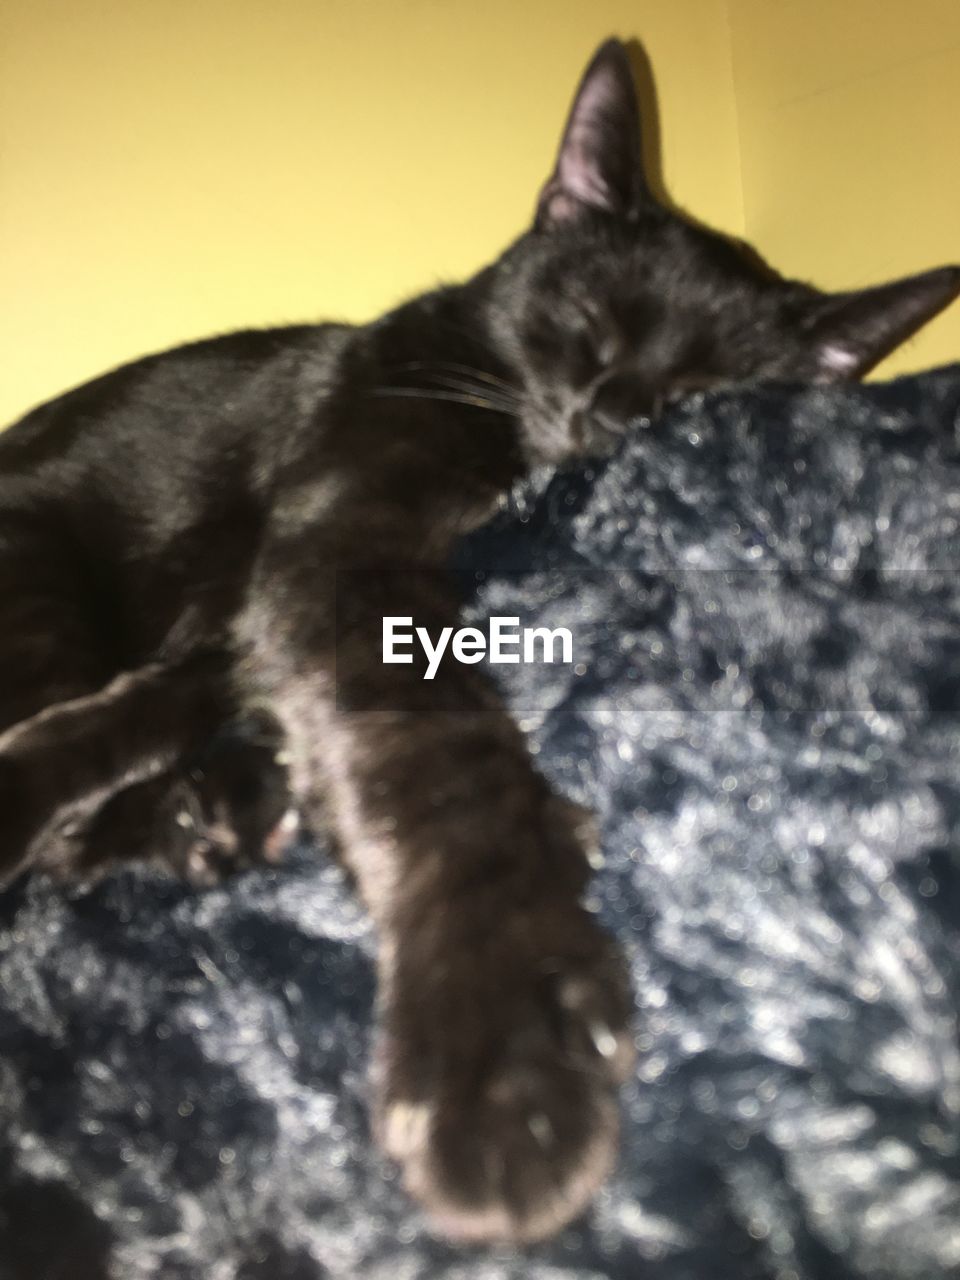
[(595, 433)]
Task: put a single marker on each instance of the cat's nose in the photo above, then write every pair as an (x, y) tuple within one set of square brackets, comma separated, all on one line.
[(621, 399)]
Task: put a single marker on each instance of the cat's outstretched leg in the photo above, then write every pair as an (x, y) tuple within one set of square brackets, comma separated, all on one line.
[(120, 773), (503, 1007), (504, 1021)]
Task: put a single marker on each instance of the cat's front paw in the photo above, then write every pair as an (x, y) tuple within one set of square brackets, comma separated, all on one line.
[(499, 1066), (235, 809), (208, 846), (226, 810)]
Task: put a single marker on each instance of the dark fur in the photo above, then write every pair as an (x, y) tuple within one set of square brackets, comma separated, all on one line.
[(183, 1088), (209, 537)]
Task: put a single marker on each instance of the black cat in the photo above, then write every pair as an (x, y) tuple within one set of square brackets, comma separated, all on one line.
[(197, 551)]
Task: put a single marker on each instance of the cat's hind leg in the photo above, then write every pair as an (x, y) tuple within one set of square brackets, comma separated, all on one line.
[(61, 765), (49, 653), (49, 649), (98, 768)]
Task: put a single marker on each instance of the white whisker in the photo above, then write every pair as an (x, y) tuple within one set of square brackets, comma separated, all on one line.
[(454, 397), (442, 366)]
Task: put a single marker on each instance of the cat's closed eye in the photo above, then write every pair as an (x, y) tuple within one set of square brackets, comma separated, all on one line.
[(592, 348), (610, 347), (606, 337)]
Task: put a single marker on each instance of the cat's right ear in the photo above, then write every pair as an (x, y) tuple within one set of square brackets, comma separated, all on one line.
[(599, 165), (848, 333)]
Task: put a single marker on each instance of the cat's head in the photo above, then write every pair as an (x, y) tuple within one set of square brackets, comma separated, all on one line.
[(614, 306)]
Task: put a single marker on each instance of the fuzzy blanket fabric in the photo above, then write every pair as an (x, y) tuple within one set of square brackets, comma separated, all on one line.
[(764, 710)]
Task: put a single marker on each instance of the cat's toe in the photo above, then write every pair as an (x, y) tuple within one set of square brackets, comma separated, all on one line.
[(206, 861), (215, 849), (242, 787), (280, 839)]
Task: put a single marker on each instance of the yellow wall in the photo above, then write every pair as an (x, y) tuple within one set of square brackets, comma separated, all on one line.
[(172, 168), (849, 112)]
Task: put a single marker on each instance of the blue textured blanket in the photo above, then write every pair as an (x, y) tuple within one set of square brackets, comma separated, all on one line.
[(764, 711)]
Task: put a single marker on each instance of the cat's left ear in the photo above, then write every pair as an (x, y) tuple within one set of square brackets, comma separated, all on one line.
[(852, 332), (599, 165)]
